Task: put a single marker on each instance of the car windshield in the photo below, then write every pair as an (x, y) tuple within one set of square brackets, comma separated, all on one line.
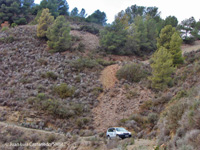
[(121, 129)]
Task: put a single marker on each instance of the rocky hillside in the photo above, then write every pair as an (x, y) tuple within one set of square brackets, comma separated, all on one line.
[(28, 70), (76, 95)]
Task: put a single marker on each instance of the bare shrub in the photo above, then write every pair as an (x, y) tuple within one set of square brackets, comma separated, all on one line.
[(153, 118), (174, 114), (51, 138)]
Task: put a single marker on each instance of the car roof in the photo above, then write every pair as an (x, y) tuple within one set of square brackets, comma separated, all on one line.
[(115, 127)]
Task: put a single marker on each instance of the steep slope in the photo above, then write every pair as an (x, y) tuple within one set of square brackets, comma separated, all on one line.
[(29, 71), (119, 100)]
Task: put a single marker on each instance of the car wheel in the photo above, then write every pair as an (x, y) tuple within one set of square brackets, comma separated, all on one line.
[(118, 137), (108, 137)]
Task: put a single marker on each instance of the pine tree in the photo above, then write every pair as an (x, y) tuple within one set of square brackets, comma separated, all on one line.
[(171, 20), (113, 38), (142, 30), (175, 49), (141, 36), (26, 7), (58, 35), (74, 12), (9, 10), (63, 7), (15, 11), (170, 40), (132, 45), (82, 14), (151, 33), (162, 69), (97, 17), (52, 5), (56, 7), (123, 18), (45, 21), (165, 37)]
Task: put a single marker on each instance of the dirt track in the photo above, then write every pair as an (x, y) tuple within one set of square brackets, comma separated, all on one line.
[(113, 103), (4, 124), (108, 77)]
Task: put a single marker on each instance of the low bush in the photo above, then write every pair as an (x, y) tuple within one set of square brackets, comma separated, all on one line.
[(196, 67), (163, 99), (131, 72), (43, 61), (82, 63), (41, 96), (24, 80), (174, 114), (21, 21), (78, 108), (153, 118), (126, 142), (81, 47), (132, 94), (13, 25), (75, 38), (77, 79), (190, 141), (105, 62), (191, 118), (5, 29), (8, 39), (90, 29), (181, 94), (139, 119), (95, 142), (55, 107), (63, 90), (81, 122), (51, 138), (50, 75), (97, 90), (181, 118), (147, 105)]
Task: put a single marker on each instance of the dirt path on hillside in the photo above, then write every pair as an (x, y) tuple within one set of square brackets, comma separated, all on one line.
[(108, 78), (113, 103), (186, 48), (5, 124), (101, 112)]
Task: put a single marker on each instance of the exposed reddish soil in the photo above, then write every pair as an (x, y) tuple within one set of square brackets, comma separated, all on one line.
[(108, 78)]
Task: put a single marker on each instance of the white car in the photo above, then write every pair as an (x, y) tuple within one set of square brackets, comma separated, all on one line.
[(117, 132)]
